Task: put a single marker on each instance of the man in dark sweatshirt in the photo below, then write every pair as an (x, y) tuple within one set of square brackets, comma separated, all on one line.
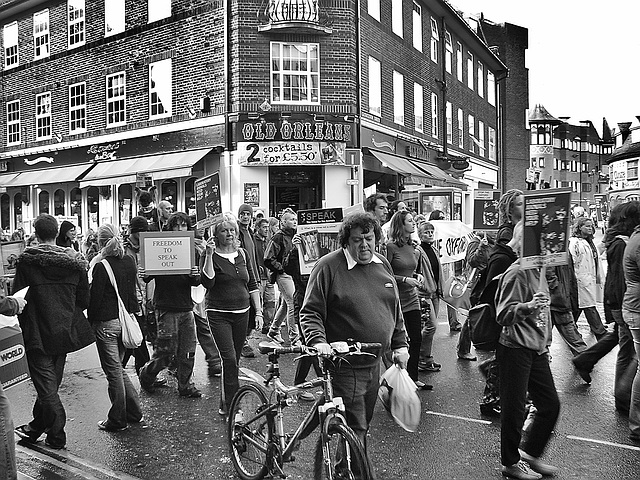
[(176, 324)]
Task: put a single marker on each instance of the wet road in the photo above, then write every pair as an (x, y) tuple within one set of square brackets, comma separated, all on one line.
[(185, 438)]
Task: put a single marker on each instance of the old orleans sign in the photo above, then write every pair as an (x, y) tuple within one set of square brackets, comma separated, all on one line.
[(286, 129)]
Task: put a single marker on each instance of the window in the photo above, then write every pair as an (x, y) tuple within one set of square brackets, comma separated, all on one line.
[(460, 129), (417, 26), (472, 134), (373, 7), (43, 116), (586, 187), (434, 115), (396, 17), (448, 54), (481, 138), (375, 87), (159, 9), (480, 80), (10, 39), (418, 107), (449, 110), (459, 61), (541, 162), (41, 34), (470, 70), (76, 22), (398, 98), (534, 162), (78, 108), (556, 164), (540, 134), (114, 19), (434, 40), (492, 144), (160, 92), (491, 88), (295, 72), (585, 166), (13, 122), (116, 99)]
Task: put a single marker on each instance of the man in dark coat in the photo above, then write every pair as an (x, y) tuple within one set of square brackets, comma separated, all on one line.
[(53, 324)]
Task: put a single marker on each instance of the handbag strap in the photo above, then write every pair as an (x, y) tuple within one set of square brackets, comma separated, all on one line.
[(107, 267)]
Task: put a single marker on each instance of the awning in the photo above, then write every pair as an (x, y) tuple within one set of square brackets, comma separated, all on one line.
[(169, 165), (406, 168), (6, 178), (441, 175), (48, 175)]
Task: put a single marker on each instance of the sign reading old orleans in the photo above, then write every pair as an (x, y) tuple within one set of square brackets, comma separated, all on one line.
[(318, 131)]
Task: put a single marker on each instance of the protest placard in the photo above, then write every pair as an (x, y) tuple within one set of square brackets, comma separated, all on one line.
[(318, 231), (547, 219), (167, 253), (485, 209), (208, 206)]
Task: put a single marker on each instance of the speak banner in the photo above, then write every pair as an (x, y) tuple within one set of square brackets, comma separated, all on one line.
[(452, 238)]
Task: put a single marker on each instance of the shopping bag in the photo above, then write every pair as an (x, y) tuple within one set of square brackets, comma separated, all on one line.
[(397, 393), (131, 332)]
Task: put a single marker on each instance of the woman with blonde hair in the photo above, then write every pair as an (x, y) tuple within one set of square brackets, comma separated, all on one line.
[(103, 315)]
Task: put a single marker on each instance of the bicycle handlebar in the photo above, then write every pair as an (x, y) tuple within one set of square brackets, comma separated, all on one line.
[(350, 347)]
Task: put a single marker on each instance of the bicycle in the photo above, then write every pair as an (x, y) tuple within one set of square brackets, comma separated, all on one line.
[(258, 442)]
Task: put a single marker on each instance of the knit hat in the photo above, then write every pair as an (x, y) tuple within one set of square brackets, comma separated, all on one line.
[(138, 224), (65, 227), (245, 208)]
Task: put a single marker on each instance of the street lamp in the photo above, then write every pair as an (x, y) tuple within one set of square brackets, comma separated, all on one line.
[(579, 140)]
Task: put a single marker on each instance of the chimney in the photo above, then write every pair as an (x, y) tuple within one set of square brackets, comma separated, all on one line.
[(625, 130)]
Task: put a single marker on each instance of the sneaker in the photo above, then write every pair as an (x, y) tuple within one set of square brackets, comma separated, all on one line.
[(159, 382), (429, 367), (145, 383), (520, 471), (276, 337), (423, 386), (467, 356), (247, 351), (26, 434), (306, 396), (107, 427), (215, 370), (192, 392), (538, 466), (490, 409)]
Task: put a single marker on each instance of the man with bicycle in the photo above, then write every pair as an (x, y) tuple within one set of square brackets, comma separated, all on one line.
[(352, 293)]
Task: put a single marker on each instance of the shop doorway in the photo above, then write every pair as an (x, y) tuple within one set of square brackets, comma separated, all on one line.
[(299, 188)]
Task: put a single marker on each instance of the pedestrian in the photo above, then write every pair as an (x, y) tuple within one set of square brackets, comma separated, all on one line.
[(176, 324), (376, 204), (586, 264), (103, 313), (165, 209), (231, 286), (8, 306), (522, 308), (246, 237), (67, 236), (352, 293), (53, 325), (267, 292)]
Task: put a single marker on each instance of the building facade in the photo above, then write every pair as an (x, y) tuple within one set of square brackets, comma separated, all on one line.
[(624, 183)]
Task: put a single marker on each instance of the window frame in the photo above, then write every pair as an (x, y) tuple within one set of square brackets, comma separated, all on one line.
[(448, 54), (161, 9), (116, 99), (418, 107), (14, 126), (417, 26), (114, 16), (459, 62), (398, 98), (470, 70), (373, 9), (481, 148), (492, 143), (164, 88), (81, 107), (449, 115), (491, 88), (282, 73), (43, 35), (375, 95), (435, 38), (480, 80), (471, 123), (435, 130), (72, 22), (460, 128), (397, 26), (8, 34), (43, 120)]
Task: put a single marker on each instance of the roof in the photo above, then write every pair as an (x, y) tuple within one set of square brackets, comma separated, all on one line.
[(541, 115)]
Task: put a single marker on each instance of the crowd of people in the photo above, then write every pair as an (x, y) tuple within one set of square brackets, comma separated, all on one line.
[(384, 284)]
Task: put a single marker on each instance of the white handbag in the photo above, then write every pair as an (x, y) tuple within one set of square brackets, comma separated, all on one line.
[(131, 333)]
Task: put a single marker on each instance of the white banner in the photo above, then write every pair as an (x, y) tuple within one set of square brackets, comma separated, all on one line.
[(452, 238)]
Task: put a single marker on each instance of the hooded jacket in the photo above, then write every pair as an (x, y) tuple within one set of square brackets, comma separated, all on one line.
[(53, 322), (278, 247)]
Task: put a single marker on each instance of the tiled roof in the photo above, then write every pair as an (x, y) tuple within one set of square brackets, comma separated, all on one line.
[(540, 115)]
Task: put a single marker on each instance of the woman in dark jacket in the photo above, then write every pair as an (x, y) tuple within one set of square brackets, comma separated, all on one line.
[(103, 315), (67, 236)]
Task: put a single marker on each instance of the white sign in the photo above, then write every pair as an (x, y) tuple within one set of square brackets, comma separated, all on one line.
[(452, 238), (291, 153)]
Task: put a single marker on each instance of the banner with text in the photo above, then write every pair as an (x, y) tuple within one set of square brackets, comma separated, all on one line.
[(452, 238), (294, 152)]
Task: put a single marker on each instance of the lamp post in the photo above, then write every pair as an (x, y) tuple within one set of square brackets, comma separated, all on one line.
[(579, 140)]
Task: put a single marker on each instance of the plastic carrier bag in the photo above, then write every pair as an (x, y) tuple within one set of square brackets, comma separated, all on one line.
[(397, 393)]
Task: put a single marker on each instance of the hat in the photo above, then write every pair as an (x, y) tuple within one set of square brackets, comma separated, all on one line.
[(259, 213), (138, 224), (245, 208), (65, 227)]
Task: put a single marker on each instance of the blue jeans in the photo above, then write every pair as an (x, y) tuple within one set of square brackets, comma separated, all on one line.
[(286, 309), (7, 441), (632, 319), (176, 338), (48, 411), (125, 404), (428, 332)]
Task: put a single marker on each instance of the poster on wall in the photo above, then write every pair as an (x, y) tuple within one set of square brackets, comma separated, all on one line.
[(252, 194), (436, 200), (547, 220), (485, 209), (208, 207)]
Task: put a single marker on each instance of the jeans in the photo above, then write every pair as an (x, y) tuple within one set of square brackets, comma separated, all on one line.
[(48, 412), (593, 318), (452, 317), (229, 331), (626, 363), (205, 339), (632, 319), (286, 309), (568, 330), (464, 340), (523, 370), (176, 338), (8, 469), (412, 323), (140, 354), (428, 331), (268, 296), (125, 404), (305, 363)]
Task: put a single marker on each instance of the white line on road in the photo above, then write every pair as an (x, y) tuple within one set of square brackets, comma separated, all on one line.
[(466, 419), (604, 442)]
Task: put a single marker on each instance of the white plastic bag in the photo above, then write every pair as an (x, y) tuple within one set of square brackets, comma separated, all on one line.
[(398, 395)]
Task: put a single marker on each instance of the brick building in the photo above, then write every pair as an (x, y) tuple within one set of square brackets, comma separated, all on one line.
[(296, 103)]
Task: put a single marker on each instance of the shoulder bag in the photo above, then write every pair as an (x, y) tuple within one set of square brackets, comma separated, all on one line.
[(483, 326), (131, 333)]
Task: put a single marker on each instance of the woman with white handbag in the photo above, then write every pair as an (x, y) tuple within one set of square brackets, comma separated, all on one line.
[(114, 283)]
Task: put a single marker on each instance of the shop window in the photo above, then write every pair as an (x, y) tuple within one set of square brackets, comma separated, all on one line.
[(116, 99), (41, 34), (125, 198), (190, 197), (43, 202), (75, 202), (10, 38), (17, 209), (295, 72), (4, 212), (169, 192), (93, 207), (76, 22), (113, 17), (160, 92), (58, 202)]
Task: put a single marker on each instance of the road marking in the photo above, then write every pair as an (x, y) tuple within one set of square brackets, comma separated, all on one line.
[(24, 476), (604, 442), (466, 419)]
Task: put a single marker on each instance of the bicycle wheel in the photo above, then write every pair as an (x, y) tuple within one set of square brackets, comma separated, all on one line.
[(249, 439), (342, 458)]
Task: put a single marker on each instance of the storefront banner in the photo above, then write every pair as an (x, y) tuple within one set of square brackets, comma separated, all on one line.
[(208, 207), (318, 231), (291, 153), (167, 253), (452, 238), (485, 209), (547, 219)]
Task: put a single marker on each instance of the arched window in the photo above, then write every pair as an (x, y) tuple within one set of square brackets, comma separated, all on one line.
[(75, 199), (93, 207), (43, 202), (169, 192), (17, 209), (5, 221), (190, 197), (125, 197), (58, 202)]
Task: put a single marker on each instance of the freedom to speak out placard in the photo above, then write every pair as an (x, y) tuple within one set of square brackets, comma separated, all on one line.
[(167, 253)]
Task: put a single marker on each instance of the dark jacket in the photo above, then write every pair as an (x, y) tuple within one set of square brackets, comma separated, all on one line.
[(103, 305), (261, 247), (562, 288), (500, 259), (53, 322), (278, 247), (247, 242), (614, 284)]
